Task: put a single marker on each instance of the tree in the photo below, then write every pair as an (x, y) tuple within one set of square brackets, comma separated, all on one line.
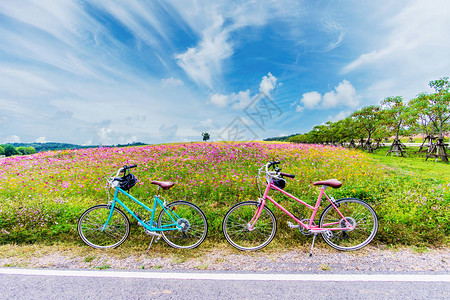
[(436, 107), (205, 136), (11, 150), (2, 150), (368, 120), (396, 117), (346, 131), (26, 150)]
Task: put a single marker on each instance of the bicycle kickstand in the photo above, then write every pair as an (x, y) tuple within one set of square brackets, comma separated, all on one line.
[(312, 246), (151, 242)]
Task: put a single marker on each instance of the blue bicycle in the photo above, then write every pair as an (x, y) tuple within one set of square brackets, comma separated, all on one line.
[(181, 224)]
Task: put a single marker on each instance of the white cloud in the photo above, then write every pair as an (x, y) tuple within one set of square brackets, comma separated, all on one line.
[(41, 140), (268, 83), (131, 140), (219, 100), (138, 17), (204, 62), (12, 139), (343, 95), (311, 100), (241, 100), (104, 135), (340, 116), (412, 49), (204, 125), (171, 82), (299, 108)]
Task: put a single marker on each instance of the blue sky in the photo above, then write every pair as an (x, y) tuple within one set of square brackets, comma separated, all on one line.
[(109, 72)]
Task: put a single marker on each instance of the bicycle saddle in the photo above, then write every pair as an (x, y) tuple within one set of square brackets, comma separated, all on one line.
[(164, 184), (334, 183)]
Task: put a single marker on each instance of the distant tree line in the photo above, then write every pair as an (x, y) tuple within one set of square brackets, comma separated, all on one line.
[(31, 148), (281, 138), (369, 126)]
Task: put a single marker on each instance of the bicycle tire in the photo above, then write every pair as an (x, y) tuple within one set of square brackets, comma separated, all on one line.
[(192, 217), (91, 222), (358, 213), (235, 226)]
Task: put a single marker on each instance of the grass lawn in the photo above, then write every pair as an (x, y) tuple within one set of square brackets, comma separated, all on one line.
[(414, 164)]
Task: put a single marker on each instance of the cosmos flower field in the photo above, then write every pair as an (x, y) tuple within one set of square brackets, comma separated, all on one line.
[(42, 195)]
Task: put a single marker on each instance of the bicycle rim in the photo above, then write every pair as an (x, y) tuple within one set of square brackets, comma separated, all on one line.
[(357, 212), (236, 222), (191, 218), (91, 227)]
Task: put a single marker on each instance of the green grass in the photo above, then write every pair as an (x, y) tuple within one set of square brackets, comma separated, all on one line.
[(414, 164)]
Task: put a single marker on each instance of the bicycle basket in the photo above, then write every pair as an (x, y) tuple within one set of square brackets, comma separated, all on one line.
[(128, 181), (279, 182)]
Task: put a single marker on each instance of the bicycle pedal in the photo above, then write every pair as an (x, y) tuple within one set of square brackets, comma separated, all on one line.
[(292, 225)]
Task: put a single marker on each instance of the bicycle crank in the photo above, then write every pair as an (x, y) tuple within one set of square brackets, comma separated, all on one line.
[(306, 223)]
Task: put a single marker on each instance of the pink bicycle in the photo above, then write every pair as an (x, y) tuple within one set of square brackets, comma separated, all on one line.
[(345, 224)]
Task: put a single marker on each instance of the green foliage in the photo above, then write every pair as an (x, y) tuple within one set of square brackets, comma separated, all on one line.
[(281, 138), (205, 136), (26, 150), (2, 150), (10, 150), (396, 116), (368, 119), (435, 108)]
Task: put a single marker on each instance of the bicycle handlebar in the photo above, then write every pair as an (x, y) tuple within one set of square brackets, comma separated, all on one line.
[(287, 175), (277, 170), (129, 167)]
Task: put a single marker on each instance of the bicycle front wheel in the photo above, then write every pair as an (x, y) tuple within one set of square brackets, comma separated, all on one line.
[(359, 214), (92, 229), (236, 223), (192, 220)]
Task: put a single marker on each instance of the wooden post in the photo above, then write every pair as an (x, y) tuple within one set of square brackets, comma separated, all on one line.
[(397, 147), (439, 148)]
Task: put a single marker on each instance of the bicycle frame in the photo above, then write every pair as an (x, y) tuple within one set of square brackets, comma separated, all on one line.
[(310, 226), (157, 201)]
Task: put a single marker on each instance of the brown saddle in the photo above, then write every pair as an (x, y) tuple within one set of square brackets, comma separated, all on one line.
[(164, 184), (334, 183)]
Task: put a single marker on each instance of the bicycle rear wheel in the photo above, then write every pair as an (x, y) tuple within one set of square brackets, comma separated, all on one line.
[(92, 231), (236, 222), (190, 218), (359, 214)]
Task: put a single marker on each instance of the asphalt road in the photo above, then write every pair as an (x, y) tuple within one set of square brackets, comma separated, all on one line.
[(58, 284)]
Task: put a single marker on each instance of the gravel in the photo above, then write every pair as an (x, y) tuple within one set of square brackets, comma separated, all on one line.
[(369, 259)]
